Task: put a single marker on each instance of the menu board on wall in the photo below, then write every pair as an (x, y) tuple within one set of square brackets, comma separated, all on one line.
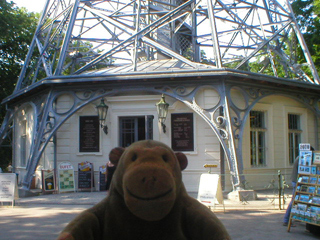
[(182, 138), (102, 178), (66, 177), (89, 134), (85, 175)]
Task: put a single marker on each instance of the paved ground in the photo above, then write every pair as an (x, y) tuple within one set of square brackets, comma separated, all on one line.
[(43, 217)]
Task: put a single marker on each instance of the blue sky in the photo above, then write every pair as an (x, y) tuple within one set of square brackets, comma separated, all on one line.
[(31, 5)]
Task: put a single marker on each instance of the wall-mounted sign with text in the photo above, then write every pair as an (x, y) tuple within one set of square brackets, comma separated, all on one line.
[(182, 138)]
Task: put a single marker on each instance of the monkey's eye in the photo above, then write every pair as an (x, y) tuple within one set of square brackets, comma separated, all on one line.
[(134, 157), (165, 158)]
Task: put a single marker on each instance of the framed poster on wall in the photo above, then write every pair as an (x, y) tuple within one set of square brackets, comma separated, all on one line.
[(182, 133)]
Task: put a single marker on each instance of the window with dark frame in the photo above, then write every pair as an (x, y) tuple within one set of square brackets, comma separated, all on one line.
[(257, 139), (294, 138), (135, 128)]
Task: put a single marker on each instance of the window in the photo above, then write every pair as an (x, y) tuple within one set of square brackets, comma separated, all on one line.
[(134, 129), (257, 138), (23, 144), (294, 136)]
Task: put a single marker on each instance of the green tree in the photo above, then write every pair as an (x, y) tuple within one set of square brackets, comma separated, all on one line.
[(308, 16), (17, 27)]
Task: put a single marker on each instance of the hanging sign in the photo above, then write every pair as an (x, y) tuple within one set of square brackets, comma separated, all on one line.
[(8, 187), (210, 190), (48, 180), (85, 175), (66, 177), (102, 178)]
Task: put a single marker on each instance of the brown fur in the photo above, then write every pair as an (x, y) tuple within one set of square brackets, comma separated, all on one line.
[(147, 200)]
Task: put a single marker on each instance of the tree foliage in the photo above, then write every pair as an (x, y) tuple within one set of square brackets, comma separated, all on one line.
[(308, 16), (17, 27)]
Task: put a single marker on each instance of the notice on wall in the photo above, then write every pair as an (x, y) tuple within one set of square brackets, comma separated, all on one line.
[(102, 178), (48, 181), (8, 187), (210, 191), (89, 134), (182, 138), (85, 175), (66, 177)]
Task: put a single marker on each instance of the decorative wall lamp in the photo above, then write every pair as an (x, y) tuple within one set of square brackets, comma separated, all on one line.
[(162, 108), (102, 113)]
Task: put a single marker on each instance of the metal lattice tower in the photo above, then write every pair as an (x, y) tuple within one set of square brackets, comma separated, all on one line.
[(77, 36), (81, 41)]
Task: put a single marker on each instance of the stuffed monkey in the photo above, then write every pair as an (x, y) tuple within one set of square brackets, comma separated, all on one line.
[(147, 200)]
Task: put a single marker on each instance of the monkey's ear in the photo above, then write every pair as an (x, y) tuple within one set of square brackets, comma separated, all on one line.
[(115, 155), (182, 159)]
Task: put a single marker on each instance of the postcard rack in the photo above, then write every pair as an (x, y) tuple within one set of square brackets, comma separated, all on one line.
[(306, 201)]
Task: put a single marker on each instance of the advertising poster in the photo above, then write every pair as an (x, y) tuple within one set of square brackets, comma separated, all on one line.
[(305, 161), (66, 177), (48, 181), (85, 175), (305, 158)]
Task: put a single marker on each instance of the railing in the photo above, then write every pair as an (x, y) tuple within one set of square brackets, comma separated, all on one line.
[(276, 189)]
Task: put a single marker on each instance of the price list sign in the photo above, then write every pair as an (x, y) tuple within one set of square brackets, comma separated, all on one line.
[(89, 134), (182, 138), (66, 177)]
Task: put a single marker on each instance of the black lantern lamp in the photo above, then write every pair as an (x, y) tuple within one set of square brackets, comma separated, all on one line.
[(102, 113), (162, 108)]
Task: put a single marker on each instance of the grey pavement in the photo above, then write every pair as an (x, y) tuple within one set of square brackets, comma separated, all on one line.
[(43, 217)]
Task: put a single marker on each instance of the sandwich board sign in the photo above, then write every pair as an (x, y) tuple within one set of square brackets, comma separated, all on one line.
[(8, 187), (210, 191), (66, 177)]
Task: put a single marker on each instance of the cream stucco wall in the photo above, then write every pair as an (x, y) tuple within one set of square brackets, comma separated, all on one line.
[(207, 149), (207, 146), (276, 109)]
